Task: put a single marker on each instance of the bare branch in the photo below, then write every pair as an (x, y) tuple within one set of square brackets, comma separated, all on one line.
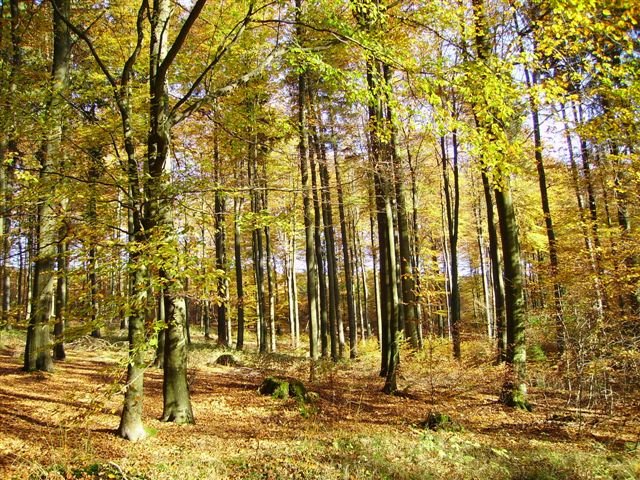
[(163, 68), (82, 34), (230, 38), (231, 86)]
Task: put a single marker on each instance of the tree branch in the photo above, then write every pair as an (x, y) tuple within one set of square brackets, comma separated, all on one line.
[(230, 38), (231, 86), (163, 68)]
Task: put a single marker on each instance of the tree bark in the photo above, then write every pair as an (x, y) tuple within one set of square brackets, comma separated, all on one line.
[(61, 299), (237, 254), (303, 153), (347, 258), (452, 216), (38, 346), (514, 388), (326, 338), (221, 255), (176, 398)]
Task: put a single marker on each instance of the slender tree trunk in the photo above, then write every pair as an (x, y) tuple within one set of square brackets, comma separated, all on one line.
[(486, 280), (496, 274), (415, 244), (548, 220), (452, 214), (346, 254), (9, 158), (92, 216), (271, 292), (382, 162), (292, 286), (514, 388), (407, 281), (237, 253), (588, 241), (61, 299), (303, 153), (375, 254), (161, 330), (38, 346), (219, 240), (336, 334), (326, 332)]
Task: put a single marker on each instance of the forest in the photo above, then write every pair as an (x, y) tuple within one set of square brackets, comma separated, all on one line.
[(390, 239)]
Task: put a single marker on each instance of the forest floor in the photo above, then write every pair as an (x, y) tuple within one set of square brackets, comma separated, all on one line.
[(61, 425)]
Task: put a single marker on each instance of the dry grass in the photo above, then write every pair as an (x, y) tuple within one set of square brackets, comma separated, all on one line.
[(51, 424)]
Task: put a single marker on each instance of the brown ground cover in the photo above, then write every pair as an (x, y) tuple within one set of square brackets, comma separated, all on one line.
[(61, 425)]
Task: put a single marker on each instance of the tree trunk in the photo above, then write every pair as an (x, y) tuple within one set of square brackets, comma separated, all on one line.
[(486, 280), (38, 346), (326, 332), (303, 150), (452, 218), (237, 253), (382, 156), (176, 399), (496, 274), (515, 389), (336, 335), (346, 254), (160, 330), (271, 291), (131, 427), (292, 287), (61, 299), (92, 215), (375, 254), (558, 289), (221, 256), (407, 280)]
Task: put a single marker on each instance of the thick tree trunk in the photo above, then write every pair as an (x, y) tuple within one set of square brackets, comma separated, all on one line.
[(176, 399), (515, 389)]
